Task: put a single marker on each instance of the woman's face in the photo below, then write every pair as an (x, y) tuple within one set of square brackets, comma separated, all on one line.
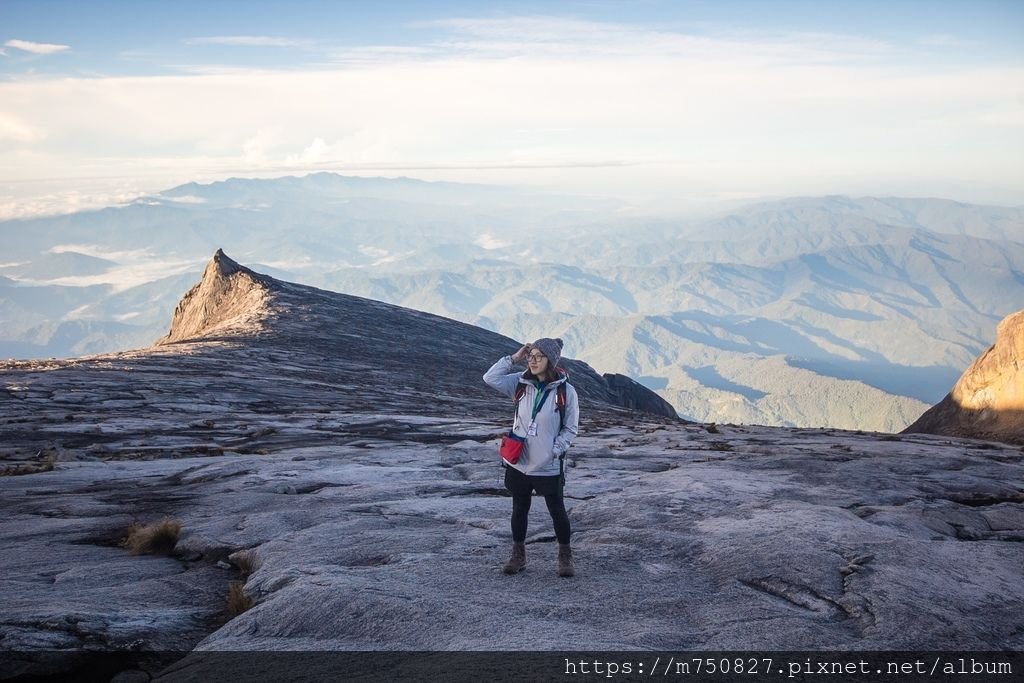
[(537, 362)]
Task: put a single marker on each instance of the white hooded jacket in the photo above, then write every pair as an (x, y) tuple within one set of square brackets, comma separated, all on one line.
[(540, 456)]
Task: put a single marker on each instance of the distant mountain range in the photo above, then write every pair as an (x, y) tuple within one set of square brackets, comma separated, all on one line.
[(848, 312)]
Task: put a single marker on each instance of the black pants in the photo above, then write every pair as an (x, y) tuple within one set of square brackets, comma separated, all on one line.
[(522, 486)]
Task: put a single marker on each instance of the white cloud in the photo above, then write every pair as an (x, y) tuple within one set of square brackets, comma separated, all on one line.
[(183, 199), (248, 41), (373, 252), (41, 199), (942, 40), (292, 264), (1009, 117), (100, 252), (14, 129), (36, 48), (366, 145), (488, 241), (558, 37), (138, 269), (80, 313), (383, 256), (381, 54)]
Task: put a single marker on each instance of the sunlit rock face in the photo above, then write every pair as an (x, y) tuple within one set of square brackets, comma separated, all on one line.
[(228, 294), (988, 400)]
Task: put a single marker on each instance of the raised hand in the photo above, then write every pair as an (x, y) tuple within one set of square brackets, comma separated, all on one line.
[(520, 355)]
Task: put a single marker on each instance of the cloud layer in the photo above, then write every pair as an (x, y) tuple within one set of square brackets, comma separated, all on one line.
[(573, 104)]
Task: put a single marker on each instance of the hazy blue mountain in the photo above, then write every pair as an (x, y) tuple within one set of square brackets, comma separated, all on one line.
[(942, 292), (23, 307), (80, 338), (48, 266), (327, 189), (935, 215), (752, 314)]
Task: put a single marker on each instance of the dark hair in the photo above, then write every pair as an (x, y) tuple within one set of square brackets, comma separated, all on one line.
[(551, 373)]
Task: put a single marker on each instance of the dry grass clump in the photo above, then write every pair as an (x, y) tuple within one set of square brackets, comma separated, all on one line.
[(247, 562), (158, 538), (30, 467), (237, 601)]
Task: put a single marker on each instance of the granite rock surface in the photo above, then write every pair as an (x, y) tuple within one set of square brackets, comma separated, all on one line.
[(343, 453)]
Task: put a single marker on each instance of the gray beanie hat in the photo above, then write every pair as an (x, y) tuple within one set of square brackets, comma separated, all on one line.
[(552, 348)]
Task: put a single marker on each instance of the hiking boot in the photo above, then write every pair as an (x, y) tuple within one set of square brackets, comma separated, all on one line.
[(517, 562), (565, 565)]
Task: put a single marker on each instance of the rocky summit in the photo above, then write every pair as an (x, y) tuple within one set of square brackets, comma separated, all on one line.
[(988, 400), (315, 471)]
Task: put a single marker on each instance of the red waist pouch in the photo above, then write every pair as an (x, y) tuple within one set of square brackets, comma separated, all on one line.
[(511, 447)]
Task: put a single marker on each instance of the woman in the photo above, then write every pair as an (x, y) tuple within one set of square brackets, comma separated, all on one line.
[(539, 420)]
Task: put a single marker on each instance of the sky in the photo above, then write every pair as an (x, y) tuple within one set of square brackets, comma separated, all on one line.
[(664, 104)]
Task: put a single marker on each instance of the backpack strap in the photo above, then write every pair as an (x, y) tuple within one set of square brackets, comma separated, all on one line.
[(560, 403), (516, 398)]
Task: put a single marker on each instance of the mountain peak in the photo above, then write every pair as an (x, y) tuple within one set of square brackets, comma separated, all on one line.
[(228, 297), (223, 266), (223, 263)]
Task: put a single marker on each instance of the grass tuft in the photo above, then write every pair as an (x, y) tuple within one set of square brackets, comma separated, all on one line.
[(158, 538), (237, 600), (247, 562), (34, 467)]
